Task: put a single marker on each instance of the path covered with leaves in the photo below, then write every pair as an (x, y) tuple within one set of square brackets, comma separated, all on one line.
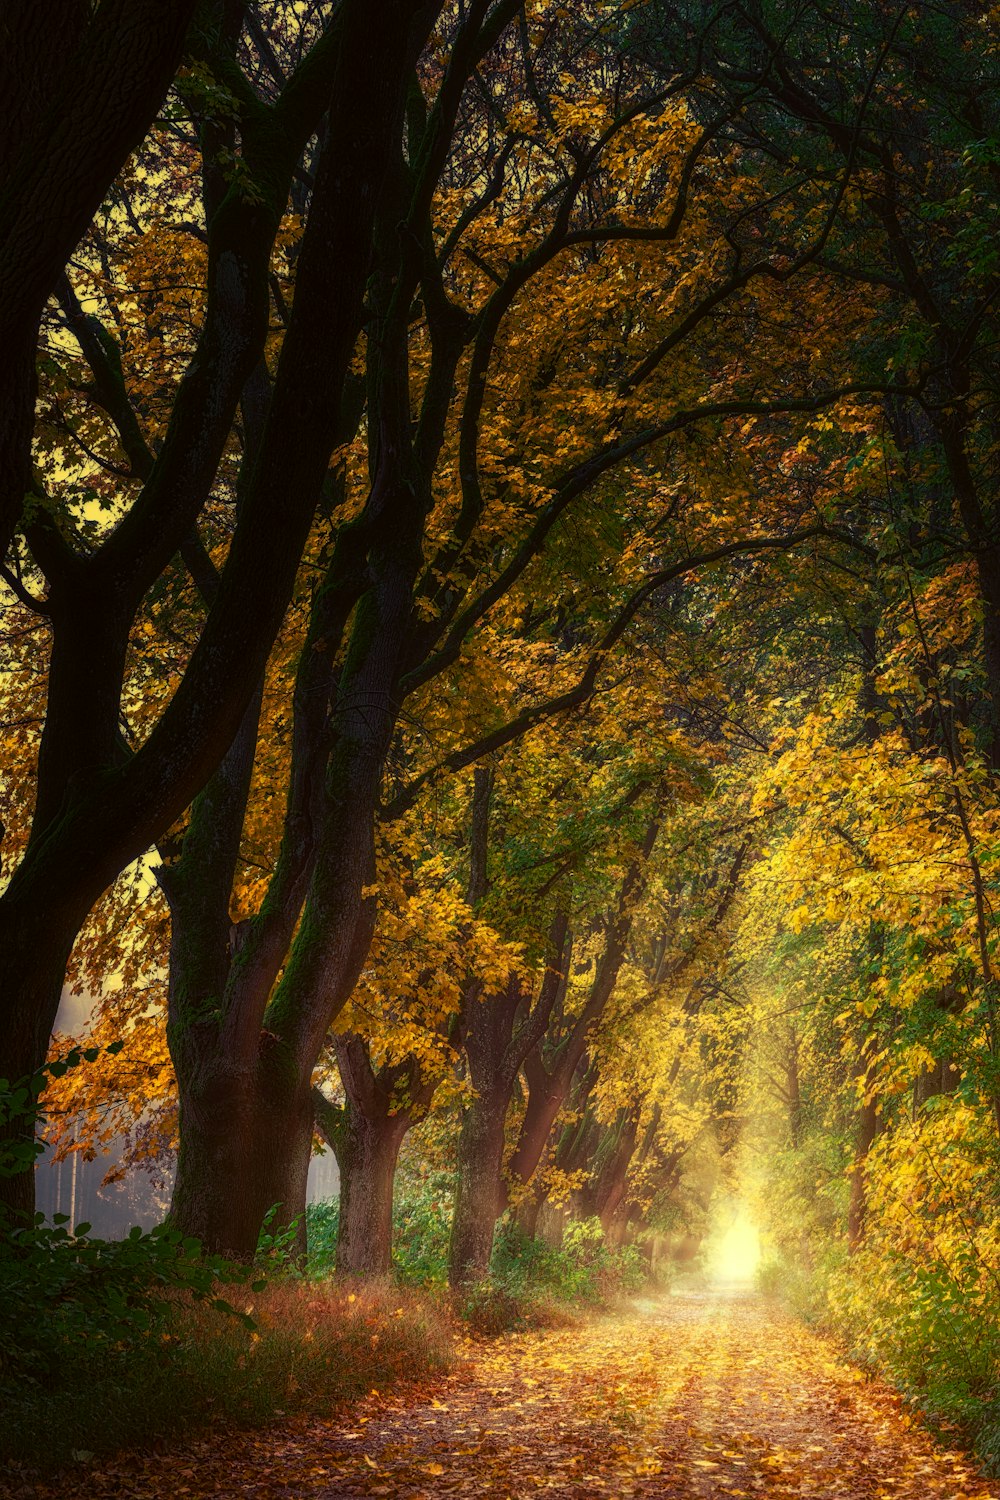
[(693, 1396)]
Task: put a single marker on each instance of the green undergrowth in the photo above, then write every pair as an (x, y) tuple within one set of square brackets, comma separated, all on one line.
[(535, 1285), (933, 1330), (421, 1230)]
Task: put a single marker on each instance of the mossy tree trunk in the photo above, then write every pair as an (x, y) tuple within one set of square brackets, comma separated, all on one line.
[(479, 1193), (244, 1154)]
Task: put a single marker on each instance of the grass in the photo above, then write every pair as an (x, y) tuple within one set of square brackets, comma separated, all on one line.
[(314, 1347)]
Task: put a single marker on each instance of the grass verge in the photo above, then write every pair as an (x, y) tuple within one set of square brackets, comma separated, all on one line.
[(314, 1346)]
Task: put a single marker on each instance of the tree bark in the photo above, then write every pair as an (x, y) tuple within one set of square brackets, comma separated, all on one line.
[(366, 1133), (478, 1187), (32, 966), (604, 1195), (245, 1148), (528, 1211), (857, 1204), (367, 1151)]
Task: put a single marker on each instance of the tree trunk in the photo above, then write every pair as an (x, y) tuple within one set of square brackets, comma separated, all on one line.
[(245, 1148), (528, 1210), (478, 1188), (615, 1218), (366, 1133), (867, 1130), (81, 86), (33, 962), (794, 1094), (367, 1150), (549, 1086), (547, 1093), (604, 1195)]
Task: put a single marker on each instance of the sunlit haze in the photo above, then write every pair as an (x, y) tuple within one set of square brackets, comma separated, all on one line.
[(737, 1252)]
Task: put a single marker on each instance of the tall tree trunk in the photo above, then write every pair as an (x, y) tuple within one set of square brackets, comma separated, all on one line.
[(82, 84), (479, 1193), (857, 1203), (867, 1126), (604, 1195), (529, 1209), (33, 963), (367, 1150), (245, 1111)]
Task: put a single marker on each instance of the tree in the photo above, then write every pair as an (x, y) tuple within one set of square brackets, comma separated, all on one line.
[(366, 1134), (98, 807), (422, 572)]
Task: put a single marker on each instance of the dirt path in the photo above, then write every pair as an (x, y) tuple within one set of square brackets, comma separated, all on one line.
[(691, 1397)]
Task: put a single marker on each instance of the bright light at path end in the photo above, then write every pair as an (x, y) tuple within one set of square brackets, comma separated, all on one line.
[(737, 1252)]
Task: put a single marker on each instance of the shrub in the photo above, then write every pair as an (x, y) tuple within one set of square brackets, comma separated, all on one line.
[(322, 1221), (802, 1288), (422, 1228), (534, 1285), (495, 1305), (582, 1269), (66, 1293), (920, 1298), (73, 1305)]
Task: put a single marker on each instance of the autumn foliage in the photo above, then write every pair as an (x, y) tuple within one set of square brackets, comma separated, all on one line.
[(500, 631)]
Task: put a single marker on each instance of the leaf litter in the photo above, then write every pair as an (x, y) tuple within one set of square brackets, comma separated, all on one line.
[(692, 1397)]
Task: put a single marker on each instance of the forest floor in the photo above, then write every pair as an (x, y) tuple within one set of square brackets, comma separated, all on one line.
[(694, 1395)]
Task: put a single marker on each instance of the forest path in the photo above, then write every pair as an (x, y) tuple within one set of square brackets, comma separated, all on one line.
[(692, 1396)]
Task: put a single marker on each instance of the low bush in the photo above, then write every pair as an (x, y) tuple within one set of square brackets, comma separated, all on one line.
[(63, 1293), (581, 1269), (804, 1289), (498, 1305), (322, 1220)]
